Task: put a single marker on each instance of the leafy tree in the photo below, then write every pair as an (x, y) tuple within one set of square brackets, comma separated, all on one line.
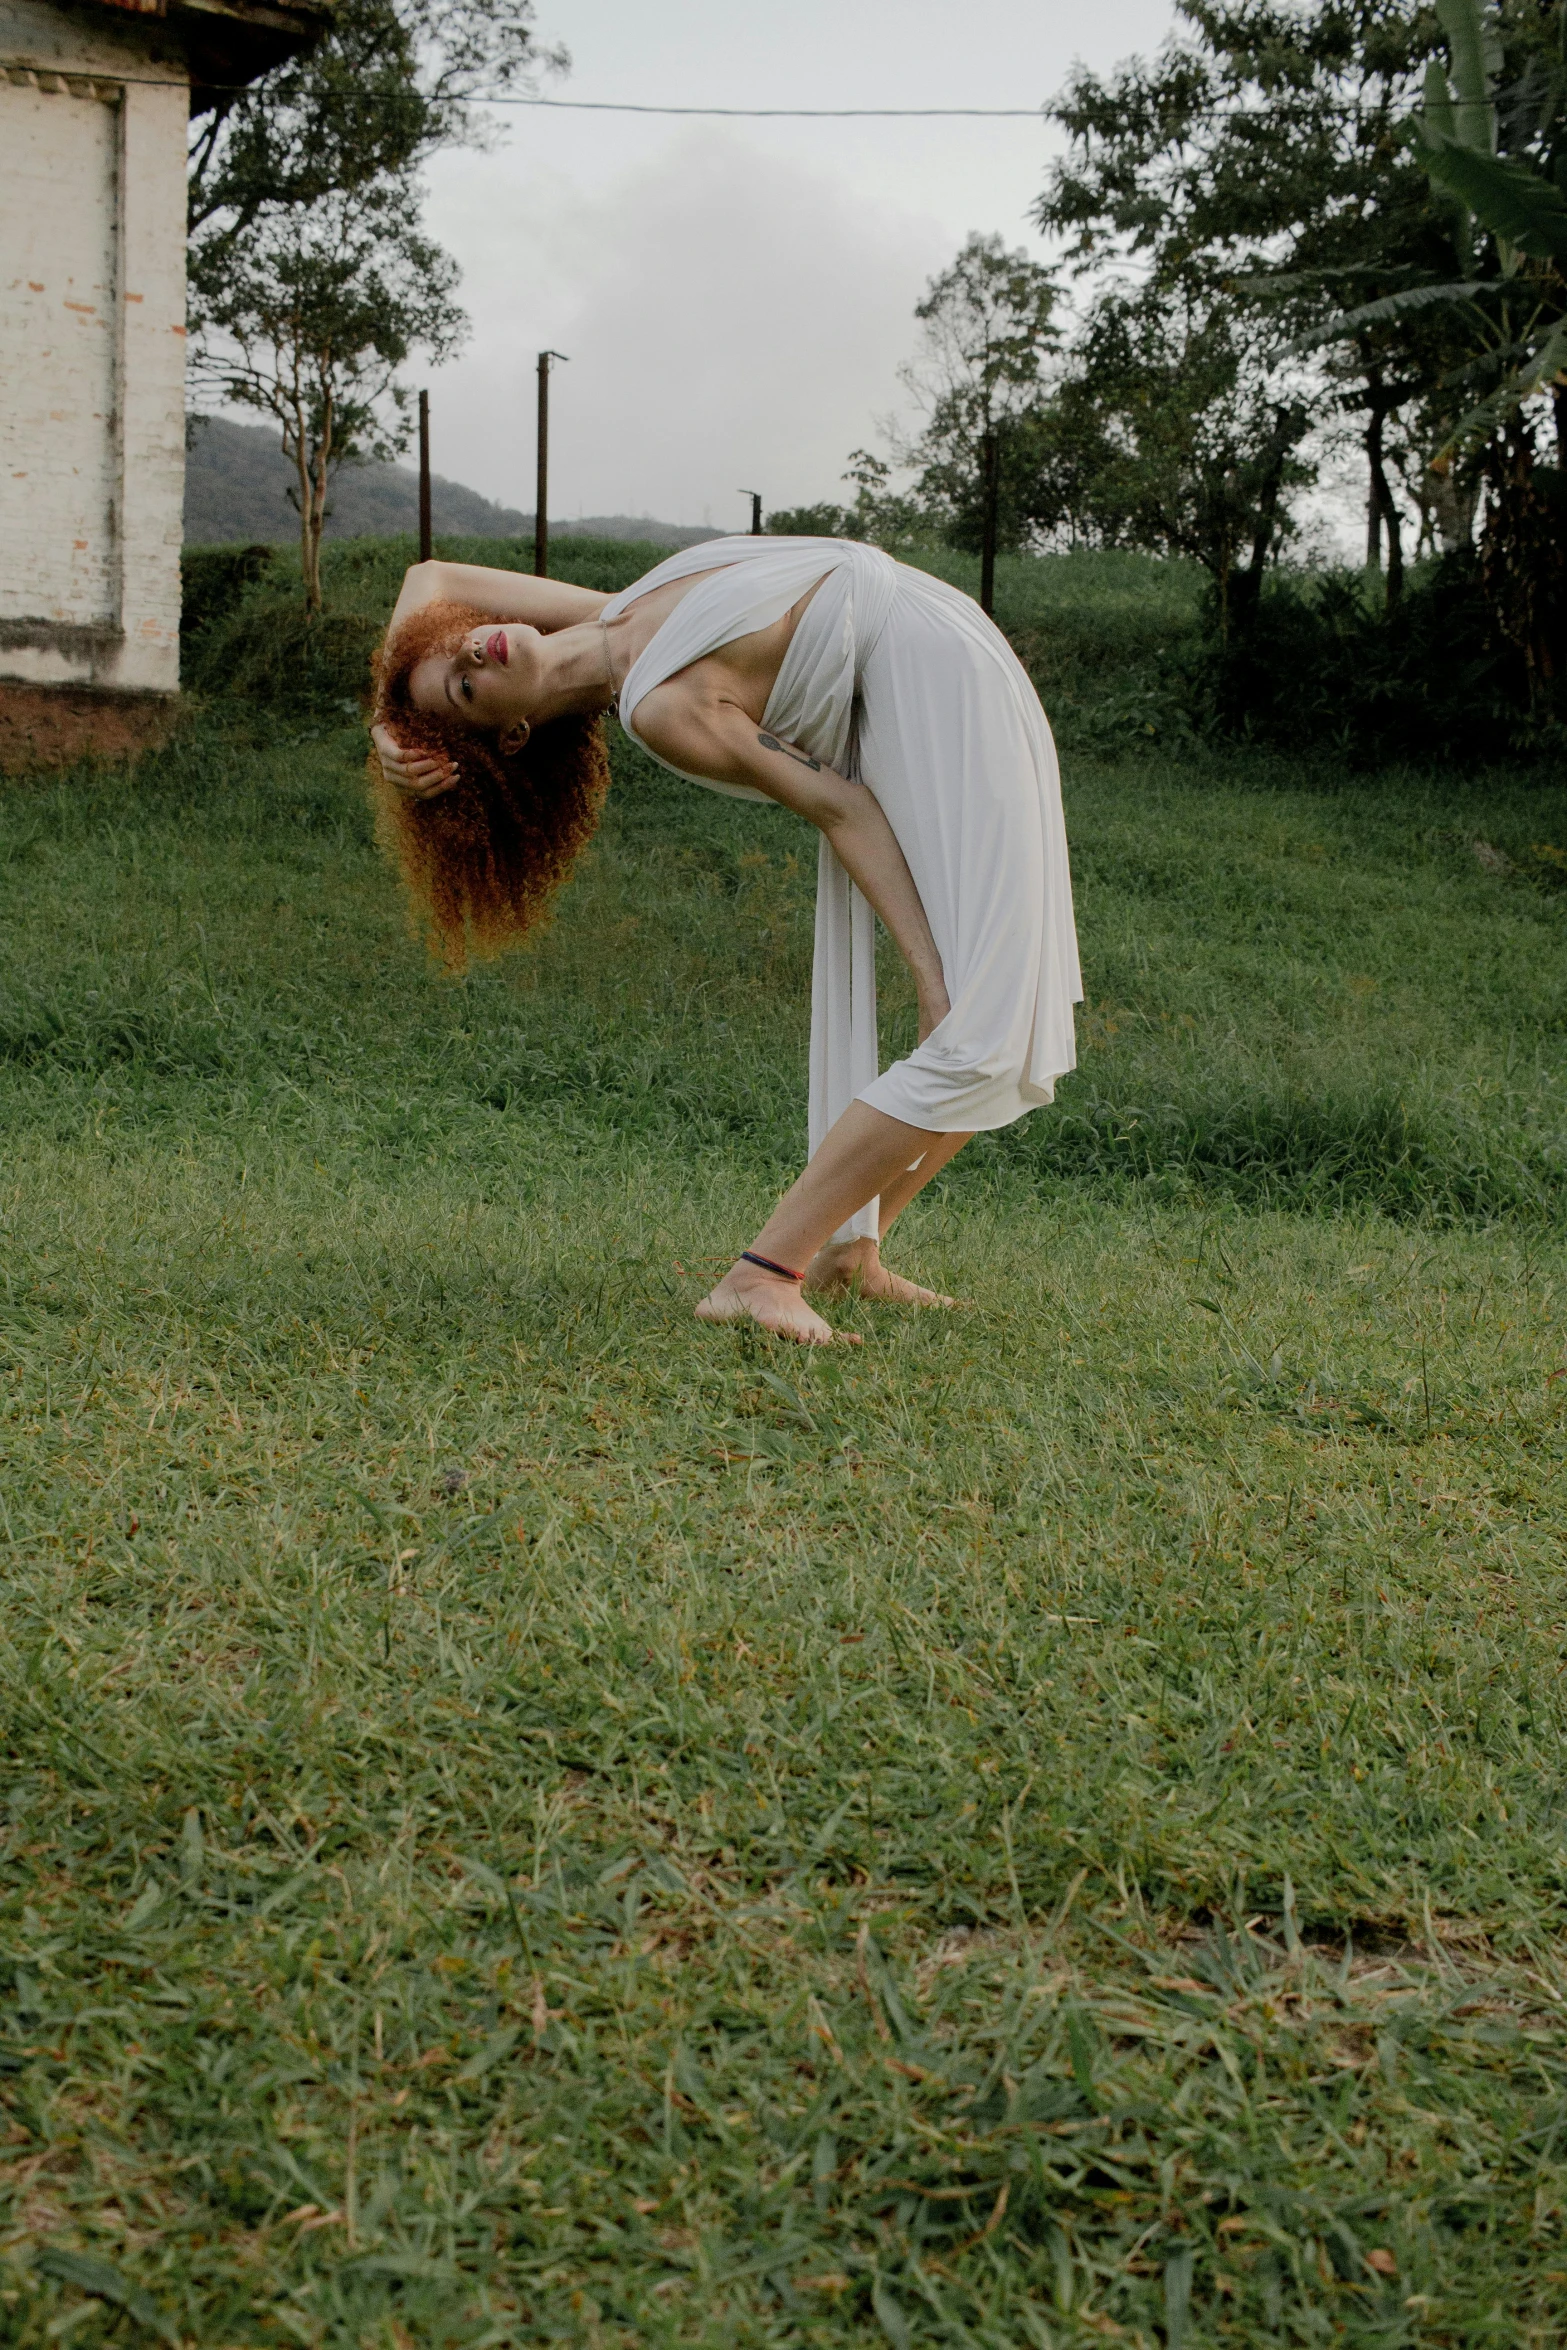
[(822, 521), (390, 82), (1491, 133), (885, 516), (310, 281), (1168, 434), (307, 313), (989, 327), (879, 513), (1257, 164)]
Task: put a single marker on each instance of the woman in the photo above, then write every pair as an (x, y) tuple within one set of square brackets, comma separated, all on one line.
[(873, 700)]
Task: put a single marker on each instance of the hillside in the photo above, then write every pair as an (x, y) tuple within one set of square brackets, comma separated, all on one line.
[(237, 482)]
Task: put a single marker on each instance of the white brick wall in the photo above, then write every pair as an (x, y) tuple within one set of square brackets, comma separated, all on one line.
[(92, 348), (59, 200)]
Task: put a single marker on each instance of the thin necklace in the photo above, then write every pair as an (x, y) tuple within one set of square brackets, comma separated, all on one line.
[(609, 665)]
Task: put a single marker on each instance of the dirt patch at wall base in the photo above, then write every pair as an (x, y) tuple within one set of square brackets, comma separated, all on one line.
[(54, 726)]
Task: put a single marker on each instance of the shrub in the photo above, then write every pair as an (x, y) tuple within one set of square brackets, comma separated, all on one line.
[(276, 654), (815, 522), (1322, 665), (212, 582)]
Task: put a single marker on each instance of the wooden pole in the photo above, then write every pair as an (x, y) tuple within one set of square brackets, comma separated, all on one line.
[(424, 477), (541, 489), (987, 556), (541, 493)]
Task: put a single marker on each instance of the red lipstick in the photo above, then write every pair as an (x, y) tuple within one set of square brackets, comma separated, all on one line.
[(497, 647)]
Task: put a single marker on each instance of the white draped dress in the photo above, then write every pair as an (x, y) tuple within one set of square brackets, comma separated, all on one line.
[(899, 681)]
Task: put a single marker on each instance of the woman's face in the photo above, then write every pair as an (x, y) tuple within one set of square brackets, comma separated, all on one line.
[(490, 683)]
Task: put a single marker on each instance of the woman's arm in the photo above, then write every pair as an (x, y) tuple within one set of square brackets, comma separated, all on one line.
[(711, 736), (545, 604)]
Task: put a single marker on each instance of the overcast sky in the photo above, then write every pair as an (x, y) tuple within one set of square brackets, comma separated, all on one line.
[(735, 298)]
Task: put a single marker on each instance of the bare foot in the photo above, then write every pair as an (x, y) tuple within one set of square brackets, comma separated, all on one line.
[(746, 1293), (856, 1264)]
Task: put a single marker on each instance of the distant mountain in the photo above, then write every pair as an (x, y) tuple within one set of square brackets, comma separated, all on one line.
[(237, 482)]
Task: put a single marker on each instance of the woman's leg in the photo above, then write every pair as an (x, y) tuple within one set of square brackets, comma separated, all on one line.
[(856, 1264), (866, 1152)]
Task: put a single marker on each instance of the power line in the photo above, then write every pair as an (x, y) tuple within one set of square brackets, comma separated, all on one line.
[(113, 75), (777, 113)]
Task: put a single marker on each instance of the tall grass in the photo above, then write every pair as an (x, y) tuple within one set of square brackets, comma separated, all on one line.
[(526, 1819)]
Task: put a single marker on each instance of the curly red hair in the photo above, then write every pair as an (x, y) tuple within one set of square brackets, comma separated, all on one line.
[(482, 862)]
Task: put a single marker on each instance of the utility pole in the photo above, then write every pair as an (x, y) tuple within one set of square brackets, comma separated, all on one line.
[(541, 494), (755, 497), (991, 476), (424, 477)]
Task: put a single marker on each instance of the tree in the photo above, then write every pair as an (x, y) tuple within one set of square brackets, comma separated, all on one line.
[(989, 326), (1520, 200), (1257, 164), (880, 514), (390, 82), (821, 521), (310, 281), (306, 314), (1491, 133), (1169, 435), (1510, 96)]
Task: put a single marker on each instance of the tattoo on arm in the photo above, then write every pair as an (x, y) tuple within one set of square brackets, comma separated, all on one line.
[(770, 742)]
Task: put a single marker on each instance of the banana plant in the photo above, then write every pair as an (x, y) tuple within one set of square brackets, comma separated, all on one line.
[(1459, 104), (1518, 309), (1523, 207)]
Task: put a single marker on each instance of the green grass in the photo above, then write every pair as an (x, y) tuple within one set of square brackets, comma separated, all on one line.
[(529, 1820)]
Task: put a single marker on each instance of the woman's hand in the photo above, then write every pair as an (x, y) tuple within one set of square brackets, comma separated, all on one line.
[(935, 1004), (416, 773)]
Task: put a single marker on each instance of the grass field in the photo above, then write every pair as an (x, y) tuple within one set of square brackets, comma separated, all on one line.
[(526, 1819)]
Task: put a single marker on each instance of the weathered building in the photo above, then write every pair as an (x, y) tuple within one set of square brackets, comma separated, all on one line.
[(95, 99)]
